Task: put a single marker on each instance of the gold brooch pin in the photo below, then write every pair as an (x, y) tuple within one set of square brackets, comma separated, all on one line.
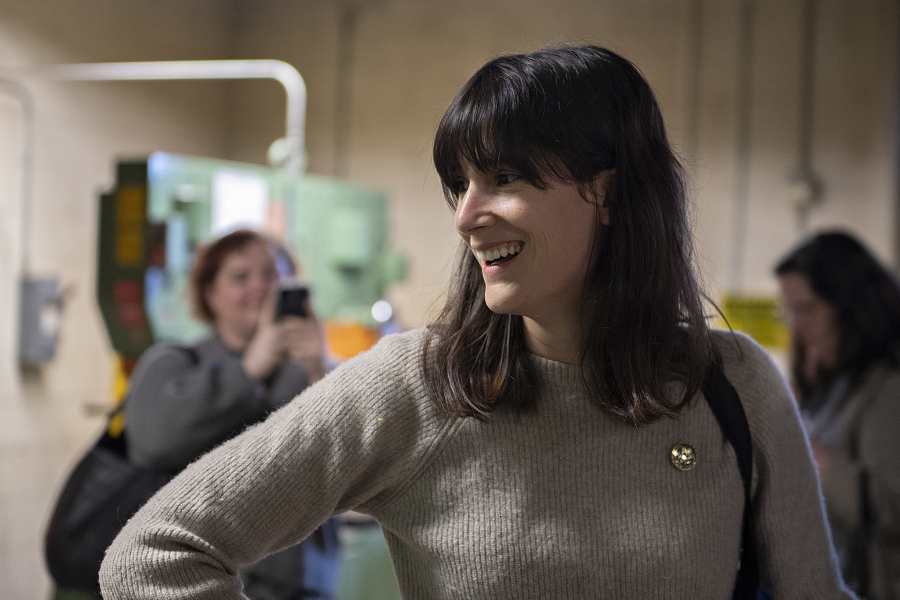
[(684, 457)]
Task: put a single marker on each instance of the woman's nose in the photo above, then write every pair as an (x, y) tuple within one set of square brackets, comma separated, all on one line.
[(475, 209)]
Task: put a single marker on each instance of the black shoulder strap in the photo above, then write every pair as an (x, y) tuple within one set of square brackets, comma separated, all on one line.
[(726, 405)]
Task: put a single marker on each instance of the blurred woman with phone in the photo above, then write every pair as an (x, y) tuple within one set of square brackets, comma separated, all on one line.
[(184, 400)]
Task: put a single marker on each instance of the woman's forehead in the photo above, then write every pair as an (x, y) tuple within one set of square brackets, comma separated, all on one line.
[(248, 252)]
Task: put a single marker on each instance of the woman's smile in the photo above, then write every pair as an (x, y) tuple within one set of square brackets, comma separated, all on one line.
[(499, 254)]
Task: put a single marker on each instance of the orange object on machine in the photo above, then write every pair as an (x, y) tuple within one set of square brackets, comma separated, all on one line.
[(346, 339)]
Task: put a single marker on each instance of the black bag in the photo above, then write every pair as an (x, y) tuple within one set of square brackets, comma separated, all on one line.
[(101, 494)]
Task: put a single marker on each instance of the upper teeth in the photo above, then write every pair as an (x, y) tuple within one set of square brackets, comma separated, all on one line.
[(494, 254)]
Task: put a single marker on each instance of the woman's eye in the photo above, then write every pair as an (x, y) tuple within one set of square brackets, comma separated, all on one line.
[(507, 178), (461, 187)]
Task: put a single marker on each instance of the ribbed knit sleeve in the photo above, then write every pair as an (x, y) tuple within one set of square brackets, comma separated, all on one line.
[(354, 437), (796, 553)]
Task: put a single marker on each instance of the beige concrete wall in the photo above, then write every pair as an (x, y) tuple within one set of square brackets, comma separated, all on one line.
[(404, 61), (409, 58), (81, 129), (853, 133)]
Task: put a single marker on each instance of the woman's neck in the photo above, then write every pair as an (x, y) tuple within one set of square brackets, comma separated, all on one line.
[(235, 338), (558, 341)]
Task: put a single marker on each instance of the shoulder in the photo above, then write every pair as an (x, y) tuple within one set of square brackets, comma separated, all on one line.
[(168, 353), (771, 410), (736, 346), (373, 407), (165, 360), (207, 349), (747, 365), (385, 377), (878, 394), (882, 378), (764, 392), (384, 383), (394, 356), (386, 372)]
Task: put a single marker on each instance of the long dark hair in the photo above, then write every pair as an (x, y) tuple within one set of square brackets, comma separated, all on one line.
[(864, 295), (569, 114)]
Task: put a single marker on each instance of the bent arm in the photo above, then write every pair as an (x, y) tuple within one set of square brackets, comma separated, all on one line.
[(795, 550), (352, 439)]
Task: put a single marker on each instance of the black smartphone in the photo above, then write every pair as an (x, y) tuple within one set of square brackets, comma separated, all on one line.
[(292, 301)]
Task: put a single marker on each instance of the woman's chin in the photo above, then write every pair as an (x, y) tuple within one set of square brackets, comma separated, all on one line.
[(501, 306), (242, 327)]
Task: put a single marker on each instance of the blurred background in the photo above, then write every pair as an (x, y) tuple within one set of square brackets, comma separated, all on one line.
[(785, 112)]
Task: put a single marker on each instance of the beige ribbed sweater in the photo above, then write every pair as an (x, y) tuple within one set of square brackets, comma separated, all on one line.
[(565, 502)]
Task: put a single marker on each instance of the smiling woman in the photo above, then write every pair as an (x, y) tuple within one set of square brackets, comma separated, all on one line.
[(544, 437)]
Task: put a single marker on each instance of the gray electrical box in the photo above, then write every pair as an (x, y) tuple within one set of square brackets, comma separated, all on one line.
[(41, 317)]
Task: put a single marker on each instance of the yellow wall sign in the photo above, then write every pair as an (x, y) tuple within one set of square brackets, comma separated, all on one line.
[(758, 316)]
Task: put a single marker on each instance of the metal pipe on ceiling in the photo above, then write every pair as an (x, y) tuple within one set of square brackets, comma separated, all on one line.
[(26, 102), (805, 184), (694, 68), (282, 72)]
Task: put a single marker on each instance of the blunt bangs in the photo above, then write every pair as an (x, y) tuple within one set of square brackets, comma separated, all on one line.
[(516, 113)]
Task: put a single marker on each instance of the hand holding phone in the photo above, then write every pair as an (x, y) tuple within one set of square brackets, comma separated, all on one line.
[(292, 302), (303, 337)]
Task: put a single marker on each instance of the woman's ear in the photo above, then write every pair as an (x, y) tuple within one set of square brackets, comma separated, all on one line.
[(604, 214), (602, 184)]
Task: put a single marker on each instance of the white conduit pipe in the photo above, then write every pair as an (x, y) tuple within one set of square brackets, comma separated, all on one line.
[(288, 76), (281, 71), (18, 91), (743, 143)]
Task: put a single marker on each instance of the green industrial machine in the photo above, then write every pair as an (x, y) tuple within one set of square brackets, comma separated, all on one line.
[(161, 209)]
